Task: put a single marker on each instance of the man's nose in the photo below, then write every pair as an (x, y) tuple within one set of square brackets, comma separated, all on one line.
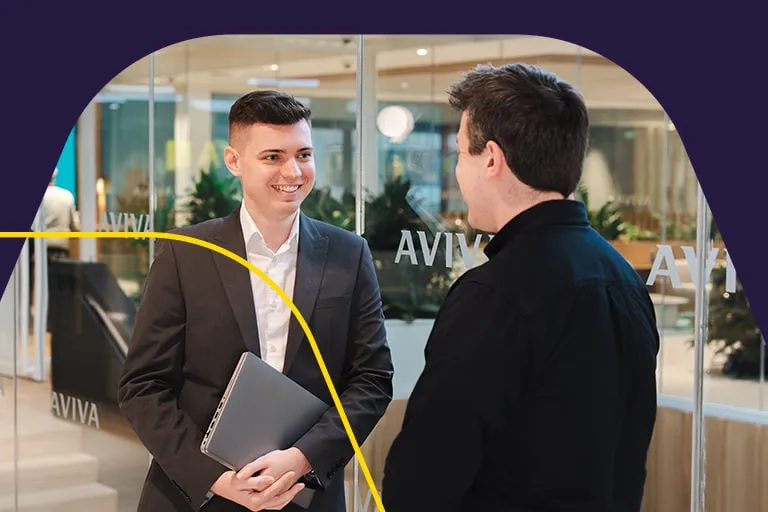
[(291, 169)]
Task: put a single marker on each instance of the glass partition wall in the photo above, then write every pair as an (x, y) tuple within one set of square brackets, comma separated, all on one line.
[(150, 157)]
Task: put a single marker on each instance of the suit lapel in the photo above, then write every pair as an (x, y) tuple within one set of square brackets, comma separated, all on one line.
[(313, 248), (237, 280)]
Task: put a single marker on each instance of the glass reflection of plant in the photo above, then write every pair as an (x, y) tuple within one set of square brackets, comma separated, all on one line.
[(212, 196), (408, 291), (321, 205), (733, 329), (164, 220), (607, 220)]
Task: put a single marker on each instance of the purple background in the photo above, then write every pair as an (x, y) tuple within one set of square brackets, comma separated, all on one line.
[(697, 63)]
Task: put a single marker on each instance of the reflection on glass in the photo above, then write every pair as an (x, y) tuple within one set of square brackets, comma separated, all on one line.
[(638, 184), (735, 345)]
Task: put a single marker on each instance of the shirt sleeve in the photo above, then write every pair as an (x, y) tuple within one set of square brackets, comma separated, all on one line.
[(468, 383)]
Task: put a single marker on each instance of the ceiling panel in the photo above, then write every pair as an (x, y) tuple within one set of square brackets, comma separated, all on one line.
[(325, 66)]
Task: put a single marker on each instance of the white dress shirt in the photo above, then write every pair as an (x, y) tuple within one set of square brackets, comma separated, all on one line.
[(272, 313)]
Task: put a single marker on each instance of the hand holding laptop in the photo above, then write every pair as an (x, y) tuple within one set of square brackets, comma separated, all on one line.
[(247, 441), (277, 463), (258, 493)]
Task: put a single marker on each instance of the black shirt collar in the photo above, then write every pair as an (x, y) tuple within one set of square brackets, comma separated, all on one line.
[(547, 213)]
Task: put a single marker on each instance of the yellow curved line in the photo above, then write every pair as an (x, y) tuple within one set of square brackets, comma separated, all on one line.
[(265, 278)]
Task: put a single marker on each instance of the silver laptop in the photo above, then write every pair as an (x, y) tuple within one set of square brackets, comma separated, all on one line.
[(261, 410)]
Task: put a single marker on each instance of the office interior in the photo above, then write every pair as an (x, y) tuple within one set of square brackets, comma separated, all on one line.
[(146, 155)]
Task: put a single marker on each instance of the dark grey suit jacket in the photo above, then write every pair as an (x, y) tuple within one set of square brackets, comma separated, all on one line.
[(195, 320)]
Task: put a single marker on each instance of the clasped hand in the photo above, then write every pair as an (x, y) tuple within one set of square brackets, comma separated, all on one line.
[(274, 486)]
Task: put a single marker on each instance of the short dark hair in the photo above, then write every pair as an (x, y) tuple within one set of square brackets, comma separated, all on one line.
[(539, 121), (268, 107)]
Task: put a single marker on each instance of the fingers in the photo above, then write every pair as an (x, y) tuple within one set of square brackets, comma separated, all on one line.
[(254, 484), (282, 484), (257, 483), (251, 468), (280, 501), (274, 491)]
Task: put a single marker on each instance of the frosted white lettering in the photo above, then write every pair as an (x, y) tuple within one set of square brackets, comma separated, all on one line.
[(663, 265), (469, 257), (666, 257), (74, 409), (429, 254), (117, 221)]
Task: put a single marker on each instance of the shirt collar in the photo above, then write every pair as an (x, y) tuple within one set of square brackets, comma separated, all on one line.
[(252, 234), (548, 213)]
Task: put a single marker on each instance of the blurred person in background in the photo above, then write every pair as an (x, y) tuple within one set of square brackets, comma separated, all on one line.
[(60, 215)]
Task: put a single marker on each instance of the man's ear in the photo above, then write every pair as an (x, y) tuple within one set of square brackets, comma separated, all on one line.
[(232, 160), (495, 163)]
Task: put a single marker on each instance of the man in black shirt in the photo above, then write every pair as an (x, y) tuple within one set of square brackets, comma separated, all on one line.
[(539, 389)]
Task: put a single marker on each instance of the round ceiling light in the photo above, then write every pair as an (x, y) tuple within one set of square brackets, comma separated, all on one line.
[(395, 122)]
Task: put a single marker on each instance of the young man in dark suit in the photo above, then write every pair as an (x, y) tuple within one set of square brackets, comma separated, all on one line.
[(200, 311), (539, 389)]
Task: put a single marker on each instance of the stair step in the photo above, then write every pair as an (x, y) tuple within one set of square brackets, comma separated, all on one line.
[(40, 435), (68, 499), (52, 472)]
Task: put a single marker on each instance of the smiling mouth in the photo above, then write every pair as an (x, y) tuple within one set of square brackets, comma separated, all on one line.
[(286, 188)]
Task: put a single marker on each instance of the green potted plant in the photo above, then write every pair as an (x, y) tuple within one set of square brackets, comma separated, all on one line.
[(635, 244), (606, 220), (321, 205), (733, 330), (211, 196)]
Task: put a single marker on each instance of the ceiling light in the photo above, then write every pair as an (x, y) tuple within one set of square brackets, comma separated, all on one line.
[(138, 89), (395, 122), (284, 82), (272, 67), (421, 52)]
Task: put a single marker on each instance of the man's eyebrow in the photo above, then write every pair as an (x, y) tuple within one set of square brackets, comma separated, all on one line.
[(282, 151)]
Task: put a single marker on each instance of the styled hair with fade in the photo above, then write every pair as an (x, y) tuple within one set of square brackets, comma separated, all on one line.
[(267, 107)]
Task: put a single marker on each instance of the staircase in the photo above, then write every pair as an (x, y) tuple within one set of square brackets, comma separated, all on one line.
[(54, 474)]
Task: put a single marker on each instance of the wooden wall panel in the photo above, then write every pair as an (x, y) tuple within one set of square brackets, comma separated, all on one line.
[(736, 463)]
